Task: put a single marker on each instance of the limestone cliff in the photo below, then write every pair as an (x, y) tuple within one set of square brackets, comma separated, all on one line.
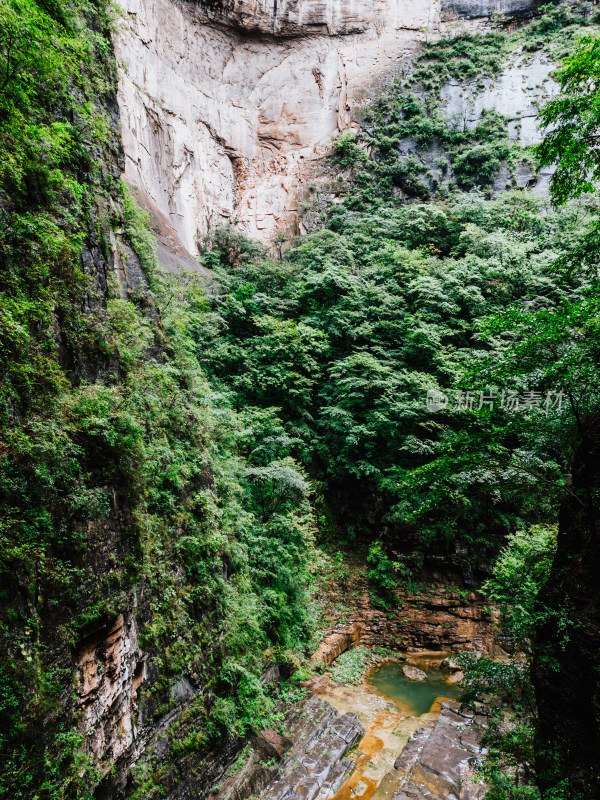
[(224, 104)]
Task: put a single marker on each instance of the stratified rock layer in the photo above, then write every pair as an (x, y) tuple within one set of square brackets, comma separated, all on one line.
[(439, 764), (317, 765), (438, 620), (312, 761), (110, 669)]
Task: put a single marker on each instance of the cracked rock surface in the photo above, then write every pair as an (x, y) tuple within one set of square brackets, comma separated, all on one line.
[(316, 765), (439, 764), (309, 763)]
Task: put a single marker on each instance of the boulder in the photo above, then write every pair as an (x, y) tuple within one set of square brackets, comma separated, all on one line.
[(450, 664), (414, 673), (455, 678)]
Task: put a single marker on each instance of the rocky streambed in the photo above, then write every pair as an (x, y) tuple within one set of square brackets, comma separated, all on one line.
[(418, 743), (387, 727), (348, 741), (309, 763)]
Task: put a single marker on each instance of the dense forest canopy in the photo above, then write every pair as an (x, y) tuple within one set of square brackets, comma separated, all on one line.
[(489, 301), (369, 316)]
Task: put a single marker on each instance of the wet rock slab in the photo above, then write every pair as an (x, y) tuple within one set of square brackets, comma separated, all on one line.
[(317, 765), (440, 764), (310, 763)]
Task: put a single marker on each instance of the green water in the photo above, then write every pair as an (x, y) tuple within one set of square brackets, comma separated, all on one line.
[(413, 696)]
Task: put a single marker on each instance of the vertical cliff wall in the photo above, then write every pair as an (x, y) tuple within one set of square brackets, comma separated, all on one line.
[(224, 104), (221, 111)]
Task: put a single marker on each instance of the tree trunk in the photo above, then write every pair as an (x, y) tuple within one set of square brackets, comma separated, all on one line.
[(566, 664)]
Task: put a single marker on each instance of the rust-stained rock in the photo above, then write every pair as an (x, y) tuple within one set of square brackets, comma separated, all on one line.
[(110, 669), (271, 745), (438, 621), (439, 765), (337, 643), (314, 763)]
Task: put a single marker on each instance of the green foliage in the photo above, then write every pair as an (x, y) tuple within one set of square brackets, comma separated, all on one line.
[(573, 119), (137, 227), (56, 79), (398, 123), (506, 690), (408, 149), (520, 571), (464, 58), (478, 165), (347, 151), (383, 573), (350, 666), (253, 708), (56, 85), (385, 306), (121, 469)]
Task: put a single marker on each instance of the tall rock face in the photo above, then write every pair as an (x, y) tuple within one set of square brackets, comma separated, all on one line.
[(482, 8), (225, 103), (300, 18)]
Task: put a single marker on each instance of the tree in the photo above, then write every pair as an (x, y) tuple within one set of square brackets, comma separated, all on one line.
[(573, 118)]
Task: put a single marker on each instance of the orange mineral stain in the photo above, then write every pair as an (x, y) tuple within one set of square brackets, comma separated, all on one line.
[(389, 722), (369, 746)]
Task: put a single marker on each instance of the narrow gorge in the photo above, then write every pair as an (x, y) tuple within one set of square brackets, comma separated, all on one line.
[(299, 353)]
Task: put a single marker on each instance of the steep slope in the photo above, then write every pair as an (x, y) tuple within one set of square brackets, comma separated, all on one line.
[(157, 537)]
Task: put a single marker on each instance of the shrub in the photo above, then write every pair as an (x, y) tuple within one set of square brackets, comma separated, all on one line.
[(350, 666)]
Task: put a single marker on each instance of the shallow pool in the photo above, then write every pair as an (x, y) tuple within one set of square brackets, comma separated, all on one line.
[(413, 696)]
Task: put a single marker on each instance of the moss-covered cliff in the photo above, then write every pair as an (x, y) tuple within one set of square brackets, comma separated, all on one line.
[(154, 542)]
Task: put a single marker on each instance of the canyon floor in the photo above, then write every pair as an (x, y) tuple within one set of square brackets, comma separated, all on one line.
[(346, 739)]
